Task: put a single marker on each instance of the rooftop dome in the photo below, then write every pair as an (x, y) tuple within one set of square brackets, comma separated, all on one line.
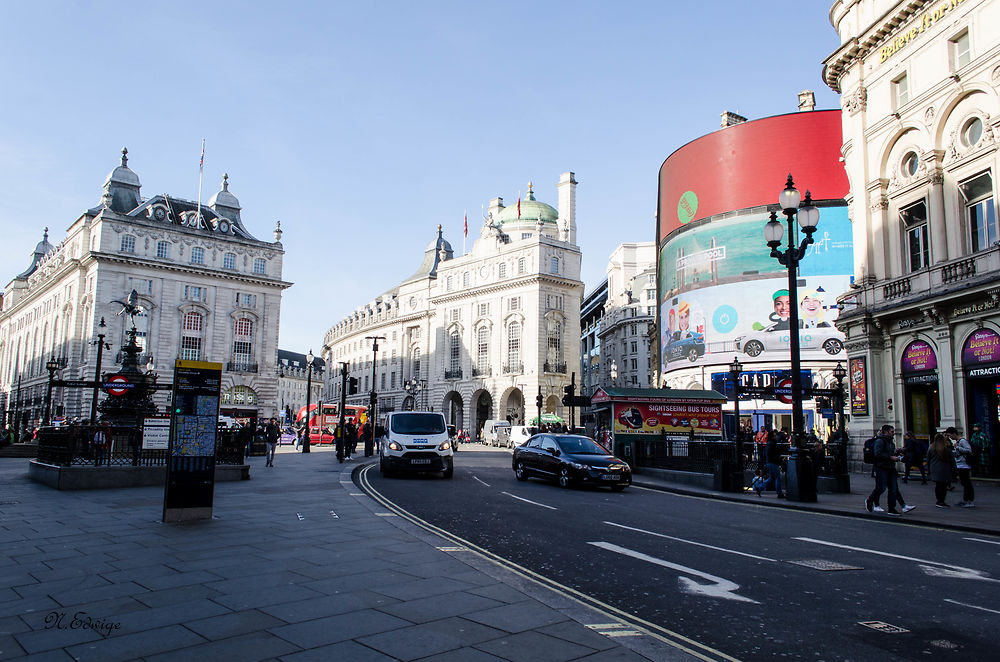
[(41, 250), (436, 252), (123, 174), (530, 210), (224, 198)]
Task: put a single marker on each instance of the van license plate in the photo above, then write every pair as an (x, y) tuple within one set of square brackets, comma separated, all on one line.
[(425, 461), (611, 477)]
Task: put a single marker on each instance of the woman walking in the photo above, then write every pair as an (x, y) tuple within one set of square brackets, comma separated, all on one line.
[(941, 467)]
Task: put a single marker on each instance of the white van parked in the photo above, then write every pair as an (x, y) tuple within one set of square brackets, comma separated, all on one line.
[(496, 433), (519, 434), (416, 441)]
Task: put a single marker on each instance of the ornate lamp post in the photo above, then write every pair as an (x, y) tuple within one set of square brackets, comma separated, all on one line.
[(101, 346), (735, 369), (309, 380), (413, 388), (51, 365), (799, 474), (839, 373)]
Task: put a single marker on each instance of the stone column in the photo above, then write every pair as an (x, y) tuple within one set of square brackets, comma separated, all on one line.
[(938, 230)]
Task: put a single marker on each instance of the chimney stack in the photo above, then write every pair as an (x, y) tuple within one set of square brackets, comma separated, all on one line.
[(807, 101), (730, 118)]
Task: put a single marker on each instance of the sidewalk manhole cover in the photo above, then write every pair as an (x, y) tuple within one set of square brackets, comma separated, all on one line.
[(883, 627), (819, 564)]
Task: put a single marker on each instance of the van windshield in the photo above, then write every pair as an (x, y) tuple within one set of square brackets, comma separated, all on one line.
[(418, 424)]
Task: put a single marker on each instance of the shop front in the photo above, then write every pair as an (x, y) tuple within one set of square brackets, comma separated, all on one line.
[(921, 404), (981, 365)]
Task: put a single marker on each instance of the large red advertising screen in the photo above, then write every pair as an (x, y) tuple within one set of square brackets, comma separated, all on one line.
[(746, 165)]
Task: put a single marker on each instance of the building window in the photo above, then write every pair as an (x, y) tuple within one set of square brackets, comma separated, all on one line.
[(448, 283), (513, 346), (972, 132), (910, 164), (554, 265), (553, 301), (466, 279), (959, 51), (197, 255), (194, 293), (229, 261), (525, 235), (914, 218), (514, 303), (163, 249), (502, 270), (483, 350), (260, 266), (454, 352), (484, 309), (244, 328), (392, 379), (128, 244), (190, 348), (900, 92), (193, 322), (635, 347), (416, 362), (522, 265), (980, 210), (554, 345), (455, 314)]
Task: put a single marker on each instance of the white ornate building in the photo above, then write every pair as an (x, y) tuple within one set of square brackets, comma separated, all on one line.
[(920, 85), (294, 379), (209, 291), (628, 312), (475, 336)]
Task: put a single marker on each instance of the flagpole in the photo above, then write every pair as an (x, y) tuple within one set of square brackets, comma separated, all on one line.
[(201, 170), (466, 233)]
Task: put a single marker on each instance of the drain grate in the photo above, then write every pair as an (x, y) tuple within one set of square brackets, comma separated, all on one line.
[(826, 566), (883, 627)]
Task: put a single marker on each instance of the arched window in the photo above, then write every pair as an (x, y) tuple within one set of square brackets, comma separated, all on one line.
[(416, 362), (454, 352), (191, 329), (513, 347), (240, 395), (483, 350), (554, 265), (243, 345), (554, 345), (522, 265)]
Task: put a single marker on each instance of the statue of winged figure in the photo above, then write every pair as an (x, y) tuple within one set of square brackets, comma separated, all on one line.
[(130, 306)]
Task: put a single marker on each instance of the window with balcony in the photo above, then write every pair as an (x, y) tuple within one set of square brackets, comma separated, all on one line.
[(229, 261), (163, 249), (900, 92), (454, 356), (980, 211), (914, 220), (482, 350), (959, 51), (128, 244), (513, 347), (197, 255)]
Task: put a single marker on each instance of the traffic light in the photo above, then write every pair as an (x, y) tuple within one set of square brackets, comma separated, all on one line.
[(568, 395), (539, 400), (352, 385)]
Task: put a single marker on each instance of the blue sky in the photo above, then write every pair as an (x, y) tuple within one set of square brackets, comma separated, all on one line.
[(362, 126)]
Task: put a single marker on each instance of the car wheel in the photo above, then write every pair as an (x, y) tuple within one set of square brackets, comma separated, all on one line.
[(520, 472), (618, 488), (753, 348), (833, 346), (565, 479), (692, 355), (383, 468)]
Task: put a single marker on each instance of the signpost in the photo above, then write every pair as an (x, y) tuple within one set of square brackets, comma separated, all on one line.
[(190, 483), (156, 433)]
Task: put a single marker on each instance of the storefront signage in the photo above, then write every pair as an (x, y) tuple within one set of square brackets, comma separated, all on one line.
[(991, 371), (918, 356), (904, 37), (983, 346), (921, 378), (859, 386), (909, 323), (971, 309), (673, 418)]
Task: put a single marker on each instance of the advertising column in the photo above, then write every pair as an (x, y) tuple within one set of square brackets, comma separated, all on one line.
[(190, 484)]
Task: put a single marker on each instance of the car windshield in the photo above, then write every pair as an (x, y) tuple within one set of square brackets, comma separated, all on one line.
[(418, 424), (580, 446)]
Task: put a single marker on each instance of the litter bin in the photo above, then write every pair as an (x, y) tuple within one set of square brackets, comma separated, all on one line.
[(727, 477)]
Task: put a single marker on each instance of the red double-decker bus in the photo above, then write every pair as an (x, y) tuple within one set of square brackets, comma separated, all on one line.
[(323, 424)]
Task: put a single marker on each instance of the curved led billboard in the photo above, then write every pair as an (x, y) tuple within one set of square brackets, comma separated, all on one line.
[(745, 165)]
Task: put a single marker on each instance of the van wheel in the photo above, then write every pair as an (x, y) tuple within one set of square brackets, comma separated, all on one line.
[(449, 472), (384, 468)]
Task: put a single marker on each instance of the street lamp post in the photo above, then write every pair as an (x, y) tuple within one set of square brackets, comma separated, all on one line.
[(51, 365), (735, 369), (801, 485), (309, 375), (413, 387), (839, 373), (373, 399), (101, 346)]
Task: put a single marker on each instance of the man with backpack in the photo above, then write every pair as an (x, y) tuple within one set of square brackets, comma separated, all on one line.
[(881, 452)]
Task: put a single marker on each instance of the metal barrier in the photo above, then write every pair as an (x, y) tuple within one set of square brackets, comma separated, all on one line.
[(694, 456), (73, 446)]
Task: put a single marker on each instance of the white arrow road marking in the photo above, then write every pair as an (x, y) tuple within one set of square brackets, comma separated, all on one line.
[(334, 515), (692, 542), (719, 588), (988, 542), (477, 478), (934, 571), (960, 571), (966, 604), (535, 503), (299, 515)]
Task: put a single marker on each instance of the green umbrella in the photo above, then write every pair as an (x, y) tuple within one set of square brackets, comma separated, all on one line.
[(548, 418)]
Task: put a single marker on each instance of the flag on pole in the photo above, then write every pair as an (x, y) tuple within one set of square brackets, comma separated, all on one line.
[(519, 204), (466, 223), (201, 161)]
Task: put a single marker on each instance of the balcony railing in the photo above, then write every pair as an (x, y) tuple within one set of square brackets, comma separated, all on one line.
[(453, 374), (559, 368), (515, 368), (481, 372), (241, 366)]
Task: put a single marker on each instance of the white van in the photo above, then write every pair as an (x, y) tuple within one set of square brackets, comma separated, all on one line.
[(416, 441), (519, 434), (496, 433)]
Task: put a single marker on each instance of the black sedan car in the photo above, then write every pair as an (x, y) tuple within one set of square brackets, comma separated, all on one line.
[(570, 459)]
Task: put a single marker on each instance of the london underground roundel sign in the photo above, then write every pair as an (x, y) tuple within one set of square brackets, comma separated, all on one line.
[(783, 391), (117, 385)]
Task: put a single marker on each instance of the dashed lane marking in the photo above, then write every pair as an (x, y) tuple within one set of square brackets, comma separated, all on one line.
[(299, 515), (820, 564), (963, 571), (691, 542), (484, 483), (966, 604), (334, 515), (988, 542), (535, 503), (454, 548), (386, 515), (355, 494)]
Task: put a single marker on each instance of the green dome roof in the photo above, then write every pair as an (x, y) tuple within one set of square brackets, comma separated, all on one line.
[(531, 210)]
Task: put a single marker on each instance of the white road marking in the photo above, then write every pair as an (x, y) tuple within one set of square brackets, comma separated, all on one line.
[(692, 542), (718, 588), (963, 572), (385, 515), (966, 604), (484, 483), (454, 548), (334, 515), (535, 503), (933, 571), (988, 542), (299, 515)]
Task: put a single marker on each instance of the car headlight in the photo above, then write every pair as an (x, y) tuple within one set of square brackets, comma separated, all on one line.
[(578, 466), (444, 446), (394, 446)]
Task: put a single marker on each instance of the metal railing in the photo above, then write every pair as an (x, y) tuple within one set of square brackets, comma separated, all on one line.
[(694, 456), (241, 366), (554, 367), (515, 367), (481, 372), (453, 374), (73, 446)]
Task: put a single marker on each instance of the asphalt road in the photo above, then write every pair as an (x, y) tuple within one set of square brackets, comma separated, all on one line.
[(749, 581)]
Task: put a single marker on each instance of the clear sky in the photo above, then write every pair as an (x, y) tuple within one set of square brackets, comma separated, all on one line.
[(361, 126)]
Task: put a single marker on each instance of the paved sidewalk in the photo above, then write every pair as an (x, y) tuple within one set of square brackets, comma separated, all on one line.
[(297, 565)]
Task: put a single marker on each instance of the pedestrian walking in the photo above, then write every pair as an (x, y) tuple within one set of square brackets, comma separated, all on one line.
[(298, 437), (102, 441), (350, 439), (941, 467), (772, 454), (914, 453), (271, 434), (886, 476), (963, 455), (983, 448)]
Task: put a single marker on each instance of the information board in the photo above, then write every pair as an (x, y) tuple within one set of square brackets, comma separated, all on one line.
[(156, 433), (194, 419)]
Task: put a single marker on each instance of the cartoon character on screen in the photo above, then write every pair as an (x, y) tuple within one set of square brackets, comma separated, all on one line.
[(811, 311), (683, 321), (671, 326)]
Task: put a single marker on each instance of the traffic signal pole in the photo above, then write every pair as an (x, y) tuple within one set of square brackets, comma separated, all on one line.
[(538, 401), (343, 403)]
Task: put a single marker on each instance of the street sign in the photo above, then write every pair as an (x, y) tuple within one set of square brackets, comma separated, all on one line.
[(783, 391), (117, 385)]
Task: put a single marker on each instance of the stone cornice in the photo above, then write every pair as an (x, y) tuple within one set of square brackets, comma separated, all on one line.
[(97, 256)]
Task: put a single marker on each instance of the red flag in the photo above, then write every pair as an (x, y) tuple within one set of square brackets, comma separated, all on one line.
[(519, 205), (466, 224)]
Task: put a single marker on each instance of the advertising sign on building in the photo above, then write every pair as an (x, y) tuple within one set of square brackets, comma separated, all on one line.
[(672, 418), (858, 374), (982, 347), (918, 356)]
